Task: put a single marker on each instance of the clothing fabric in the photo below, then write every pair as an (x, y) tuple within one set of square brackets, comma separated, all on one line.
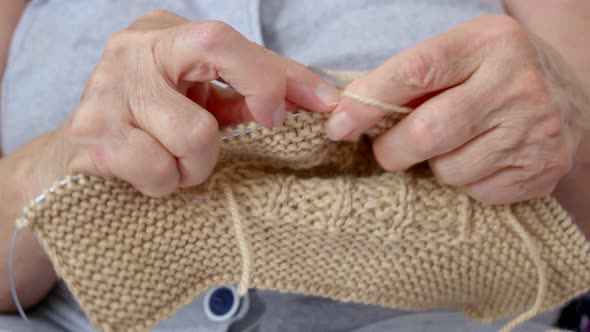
[(58, 42)]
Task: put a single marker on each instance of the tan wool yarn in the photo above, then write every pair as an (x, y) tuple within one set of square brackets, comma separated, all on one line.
[(287, 209)]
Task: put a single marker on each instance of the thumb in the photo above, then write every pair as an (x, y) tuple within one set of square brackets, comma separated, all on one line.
[(435, 65)]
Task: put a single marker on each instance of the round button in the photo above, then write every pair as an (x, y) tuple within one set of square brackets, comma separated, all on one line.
[(221, 303)]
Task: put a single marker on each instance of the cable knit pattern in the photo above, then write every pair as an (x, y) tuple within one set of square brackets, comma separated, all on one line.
[(313, 217)]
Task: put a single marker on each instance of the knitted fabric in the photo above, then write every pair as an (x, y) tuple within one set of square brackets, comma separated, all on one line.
[(287, 209)]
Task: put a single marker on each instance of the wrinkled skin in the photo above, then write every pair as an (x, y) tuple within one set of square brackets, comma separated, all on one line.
[(498, 111), (150, 115)]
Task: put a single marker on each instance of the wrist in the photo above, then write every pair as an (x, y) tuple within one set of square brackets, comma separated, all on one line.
[(37, 165)]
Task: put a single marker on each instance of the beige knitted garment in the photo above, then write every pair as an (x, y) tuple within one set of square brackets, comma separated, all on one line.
[(289, 210)]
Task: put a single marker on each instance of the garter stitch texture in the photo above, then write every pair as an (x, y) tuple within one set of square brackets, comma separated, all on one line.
[(287, 209)]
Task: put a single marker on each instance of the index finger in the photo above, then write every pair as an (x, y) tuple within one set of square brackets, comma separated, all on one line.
[(432, 66), (205, 51)]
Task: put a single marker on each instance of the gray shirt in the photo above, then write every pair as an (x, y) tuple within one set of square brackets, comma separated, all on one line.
[(58, 43)]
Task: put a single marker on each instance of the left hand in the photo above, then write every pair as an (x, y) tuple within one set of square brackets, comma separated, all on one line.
[(498, 111)]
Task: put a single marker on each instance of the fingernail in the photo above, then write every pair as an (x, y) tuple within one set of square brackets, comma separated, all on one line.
[(280, 114), (339, 126), (327, 94)]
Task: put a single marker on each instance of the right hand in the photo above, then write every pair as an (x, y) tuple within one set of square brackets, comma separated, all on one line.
[(150, 116)]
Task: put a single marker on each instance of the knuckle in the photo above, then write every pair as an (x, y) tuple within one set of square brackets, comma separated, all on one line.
[(120, 43), (203, 132), (156, 20), (510, 159), (85, 123), (209, 35), (531, 163), (217, 28), (554, 162), (531, 75), (551, 126), (532, 84), (158, 13), (525, 176), (509, 135), (424, 132), (504, 27), (421, 71), (161, 169), (98, 82)]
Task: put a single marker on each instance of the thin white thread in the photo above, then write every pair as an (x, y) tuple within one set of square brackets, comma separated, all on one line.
[(374, 102), (21, 312), (535, 256), (243, 245)]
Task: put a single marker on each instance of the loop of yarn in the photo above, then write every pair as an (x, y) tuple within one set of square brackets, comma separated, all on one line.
[(535, 256)]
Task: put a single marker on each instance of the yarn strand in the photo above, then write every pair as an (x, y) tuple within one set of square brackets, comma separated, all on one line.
[(535, 255), (377, 103), (243, 245)]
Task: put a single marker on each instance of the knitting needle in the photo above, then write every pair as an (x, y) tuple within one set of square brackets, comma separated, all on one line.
[(336, 81)]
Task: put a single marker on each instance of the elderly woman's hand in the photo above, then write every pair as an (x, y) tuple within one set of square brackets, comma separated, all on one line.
[(150, 115), (498, 111)]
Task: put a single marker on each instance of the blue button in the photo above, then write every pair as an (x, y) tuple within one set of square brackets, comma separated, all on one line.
[(221, 303)]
